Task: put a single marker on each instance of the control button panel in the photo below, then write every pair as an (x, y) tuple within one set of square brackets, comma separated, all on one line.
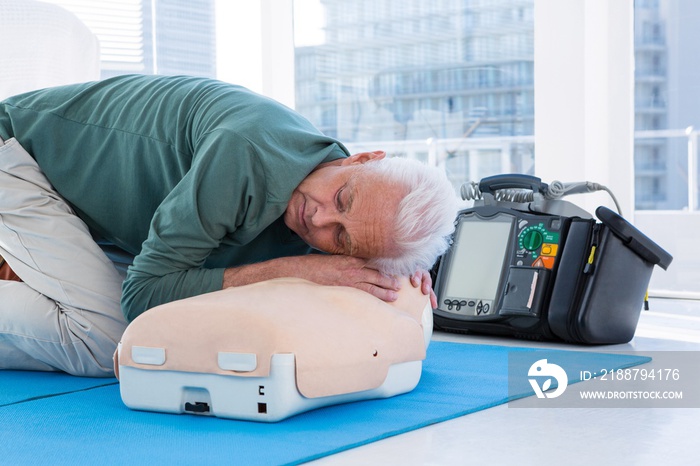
[(471, 307), (538, 243)]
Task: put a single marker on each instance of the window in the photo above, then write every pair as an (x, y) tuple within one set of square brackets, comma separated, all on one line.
[(439, 71), (151, 36), (666, 88), (667, 124), (450, 82)]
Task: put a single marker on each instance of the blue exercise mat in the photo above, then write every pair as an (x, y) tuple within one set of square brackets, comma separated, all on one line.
[(94, 427), (21, 386)]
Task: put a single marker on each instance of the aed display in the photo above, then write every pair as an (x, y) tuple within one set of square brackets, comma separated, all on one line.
[(476, 265), (499, 264)]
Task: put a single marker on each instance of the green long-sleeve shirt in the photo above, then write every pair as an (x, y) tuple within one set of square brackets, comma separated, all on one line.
[(188, 174)]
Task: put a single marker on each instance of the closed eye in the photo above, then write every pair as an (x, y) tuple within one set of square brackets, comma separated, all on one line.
[(343, 202), (343, 241), (339, 237), (339, 199), (344, 198)]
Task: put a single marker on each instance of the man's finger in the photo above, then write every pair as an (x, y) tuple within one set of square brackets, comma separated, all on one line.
[(427, 284), (433, 299), (416, 279), (381, 293), (374, 277)]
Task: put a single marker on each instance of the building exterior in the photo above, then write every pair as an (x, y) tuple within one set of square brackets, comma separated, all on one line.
[(651, 65), (414, 69), (449, 81), (151, 36), (666, 77), (423, 73), (428, 72), (181, 37)]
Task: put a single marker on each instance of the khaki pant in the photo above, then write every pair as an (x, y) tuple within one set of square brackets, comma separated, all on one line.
[(65, 315)]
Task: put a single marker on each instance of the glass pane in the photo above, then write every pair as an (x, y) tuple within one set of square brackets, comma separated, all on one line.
[(151, 36), (446, 81), (667, 122), (667, 117)]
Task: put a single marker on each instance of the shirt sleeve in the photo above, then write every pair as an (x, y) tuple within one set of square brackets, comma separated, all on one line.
[(223, 194)]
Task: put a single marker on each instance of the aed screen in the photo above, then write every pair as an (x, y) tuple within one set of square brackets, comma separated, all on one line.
[(478, 252)]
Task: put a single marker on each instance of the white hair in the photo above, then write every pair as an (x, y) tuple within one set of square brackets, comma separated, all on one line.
[(425, 218)]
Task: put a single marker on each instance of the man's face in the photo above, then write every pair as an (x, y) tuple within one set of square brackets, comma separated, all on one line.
[(341, 209)]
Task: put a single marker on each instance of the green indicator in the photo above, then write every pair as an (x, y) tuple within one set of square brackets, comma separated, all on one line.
[(550, 237)]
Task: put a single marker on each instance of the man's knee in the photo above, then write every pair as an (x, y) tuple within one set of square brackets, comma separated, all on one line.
[(94, 344), (36, 332)]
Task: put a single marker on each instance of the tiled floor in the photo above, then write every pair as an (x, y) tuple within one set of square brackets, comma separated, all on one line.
[(587, 436)]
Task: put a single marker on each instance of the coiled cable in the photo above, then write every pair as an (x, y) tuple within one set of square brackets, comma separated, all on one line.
[(555, 190), (470, 191)]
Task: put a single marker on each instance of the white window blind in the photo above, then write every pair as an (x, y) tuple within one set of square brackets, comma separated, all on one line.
[(118, 24)]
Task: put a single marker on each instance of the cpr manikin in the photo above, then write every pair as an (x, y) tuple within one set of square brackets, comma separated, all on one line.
[(273, 349)]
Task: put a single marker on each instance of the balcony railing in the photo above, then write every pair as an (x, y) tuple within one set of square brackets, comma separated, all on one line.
[(685, 169)]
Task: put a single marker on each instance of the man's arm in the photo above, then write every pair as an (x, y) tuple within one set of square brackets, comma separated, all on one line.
[(329, 270), (322, 269)]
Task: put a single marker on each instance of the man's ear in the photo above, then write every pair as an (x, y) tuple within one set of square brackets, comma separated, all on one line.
[(364, 157)]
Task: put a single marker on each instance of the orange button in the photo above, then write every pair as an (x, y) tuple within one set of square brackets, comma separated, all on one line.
[(548, 261)]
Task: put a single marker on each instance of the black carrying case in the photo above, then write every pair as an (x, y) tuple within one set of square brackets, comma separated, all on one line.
[(594, 294), (602, 279)]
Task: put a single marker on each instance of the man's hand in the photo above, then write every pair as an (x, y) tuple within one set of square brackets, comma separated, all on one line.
[(422, 279), (322, 269), (347, 271)]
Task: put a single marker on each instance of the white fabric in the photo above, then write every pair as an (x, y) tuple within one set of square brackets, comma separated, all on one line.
[(66, 314), (43, 45)]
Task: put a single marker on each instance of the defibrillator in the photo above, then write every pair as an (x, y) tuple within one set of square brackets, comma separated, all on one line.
[(525, 263)]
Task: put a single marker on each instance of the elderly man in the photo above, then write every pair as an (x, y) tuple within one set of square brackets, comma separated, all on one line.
[(194, 185)]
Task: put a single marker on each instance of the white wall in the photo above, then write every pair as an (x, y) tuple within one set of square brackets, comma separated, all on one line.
[(584, 96), (256, 46)]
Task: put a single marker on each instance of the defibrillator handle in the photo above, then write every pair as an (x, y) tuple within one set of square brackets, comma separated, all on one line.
[(491, 184)]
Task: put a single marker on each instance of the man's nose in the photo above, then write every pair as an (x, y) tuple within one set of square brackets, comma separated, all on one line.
[(323, 217)]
